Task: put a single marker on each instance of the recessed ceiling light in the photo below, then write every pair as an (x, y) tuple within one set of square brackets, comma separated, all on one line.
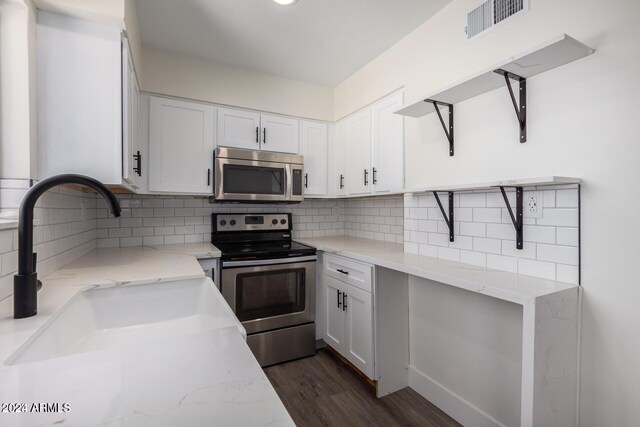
[(286, 2)]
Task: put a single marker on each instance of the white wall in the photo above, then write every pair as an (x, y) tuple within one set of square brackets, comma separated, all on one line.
[(17, 90), (201, 79), (582, 121)]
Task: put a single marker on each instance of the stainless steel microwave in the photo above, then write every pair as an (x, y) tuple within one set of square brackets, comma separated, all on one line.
[(257, 176)]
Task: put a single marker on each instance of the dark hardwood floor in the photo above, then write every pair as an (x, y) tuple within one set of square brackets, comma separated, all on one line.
[(322, 391)]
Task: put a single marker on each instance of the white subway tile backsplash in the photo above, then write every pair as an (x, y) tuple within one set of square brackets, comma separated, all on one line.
[(428, 250), (485, 235), (474, 229), (473, 200), (559, 217), (501, 231), (558, 254), (566, 199), (449, 254), (538, 234), (529, 267), (474, 258), (567, 236), (487, 215), (61, 233), (500, 262), (492, 246), (567, 273)]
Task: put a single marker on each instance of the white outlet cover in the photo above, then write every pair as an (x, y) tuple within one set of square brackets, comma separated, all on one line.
[(533, 204)]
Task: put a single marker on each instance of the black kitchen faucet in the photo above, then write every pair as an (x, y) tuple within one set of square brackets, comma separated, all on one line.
[(25, 283)]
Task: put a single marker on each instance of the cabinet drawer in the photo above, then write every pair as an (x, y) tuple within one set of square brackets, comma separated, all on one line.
[(352, 272)]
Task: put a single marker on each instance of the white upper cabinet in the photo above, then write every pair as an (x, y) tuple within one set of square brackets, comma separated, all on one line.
[(314, 148), (255, 131), (132, 151), (279, 134), (80, 111), (180, 146), (238, 128), (359, 152), (338, 156), (387, 139)]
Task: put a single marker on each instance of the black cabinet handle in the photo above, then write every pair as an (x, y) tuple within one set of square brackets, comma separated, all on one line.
[(366, 177), (339, 298), (341, 181), (342, 271), (208, 177), (264, 135), (344, 301), (257, 133), (375, 180), (306, 180), (138, 159)]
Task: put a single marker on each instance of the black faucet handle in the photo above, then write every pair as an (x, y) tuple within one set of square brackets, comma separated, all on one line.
[(35, 264)]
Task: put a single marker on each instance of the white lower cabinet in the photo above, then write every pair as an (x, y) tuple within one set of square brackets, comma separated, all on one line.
[(348, 315)]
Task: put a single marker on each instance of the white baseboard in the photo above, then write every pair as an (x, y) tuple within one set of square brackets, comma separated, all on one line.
[(455, 406)]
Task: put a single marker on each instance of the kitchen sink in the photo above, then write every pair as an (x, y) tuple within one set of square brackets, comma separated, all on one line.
[(102, 318)]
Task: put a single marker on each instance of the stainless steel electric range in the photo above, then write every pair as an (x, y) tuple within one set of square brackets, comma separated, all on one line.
[(269, 282)]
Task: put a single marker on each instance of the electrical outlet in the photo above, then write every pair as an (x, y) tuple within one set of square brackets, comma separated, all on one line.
[(533, 204)]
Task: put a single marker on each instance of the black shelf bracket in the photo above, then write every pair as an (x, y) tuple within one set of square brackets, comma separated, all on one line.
[(517, 219), (447, 219), (448, 130), (521, 111)]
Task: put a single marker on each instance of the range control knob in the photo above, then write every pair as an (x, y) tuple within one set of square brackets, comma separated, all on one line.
[(283, 221), (274, 222), (223, 222), (232, 222)]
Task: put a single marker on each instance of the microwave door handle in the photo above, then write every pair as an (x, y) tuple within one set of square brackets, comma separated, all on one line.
[(288, 182)]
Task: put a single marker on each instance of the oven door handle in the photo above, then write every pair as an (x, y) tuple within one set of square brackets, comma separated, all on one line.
[(291, 260)]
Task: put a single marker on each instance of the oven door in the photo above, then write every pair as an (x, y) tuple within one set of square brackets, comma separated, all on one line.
[(251, 180), (271, 294)]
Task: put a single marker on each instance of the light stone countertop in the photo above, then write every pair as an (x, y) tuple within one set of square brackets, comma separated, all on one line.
[(199, 378), (503, 285)]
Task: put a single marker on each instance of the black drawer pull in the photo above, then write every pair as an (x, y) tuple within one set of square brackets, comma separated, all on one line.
[(341, 181), (375, 180), (366, 177), (344, 301), (208, 177), (342, 271), (306, 180), (257, 133), (264, 135), (339, 298)]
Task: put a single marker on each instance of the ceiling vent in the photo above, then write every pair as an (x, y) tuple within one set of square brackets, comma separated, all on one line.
[(491, 13)]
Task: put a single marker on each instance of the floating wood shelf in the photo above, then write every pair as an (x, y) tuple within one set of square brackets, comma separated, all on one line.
[(523, 182), (556, 52)]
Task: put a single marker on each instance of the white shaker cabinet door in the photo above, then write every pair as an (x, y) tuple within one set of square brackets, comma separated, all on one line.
[(387, 167), (334, 315), (314, 148), (359, 152), (359, 329), (180, 146), (131, 147), (279, 134), (338, 173), (238, 129)]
